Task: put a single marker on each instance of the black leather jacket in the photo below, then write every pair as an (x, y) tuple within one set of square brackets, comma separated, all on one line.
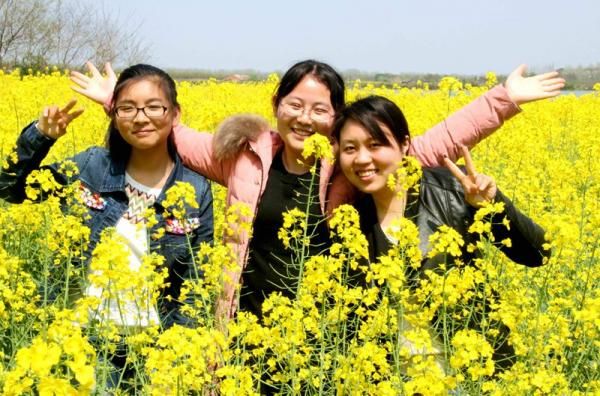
[(441, 201)]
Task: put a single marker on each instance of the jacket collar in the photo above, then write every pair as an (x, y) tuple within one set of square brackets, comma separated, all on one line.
[(266, 145), (114, 177)]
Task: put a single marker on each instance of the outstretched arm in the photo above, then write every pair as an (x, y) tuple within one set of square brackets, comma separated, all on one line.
[(483, 116)]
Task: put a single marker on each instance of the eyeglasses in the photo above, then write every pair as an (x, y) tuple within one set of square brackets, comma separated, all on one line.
[(130, 112), (317, 114)]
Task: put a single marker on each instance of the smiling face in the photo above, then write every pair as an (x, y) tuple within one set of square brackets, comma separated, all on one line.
[(366, 161), (306, 110), (141, 131)]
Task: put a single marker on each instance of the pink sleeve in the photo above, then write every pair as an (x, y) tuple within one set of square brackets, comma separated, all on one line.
[(196, 151), (468, 126)]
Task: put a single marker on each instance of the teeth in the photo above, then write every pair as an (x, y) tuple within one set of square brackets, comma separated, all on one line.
[(366, 173), (303, 132)]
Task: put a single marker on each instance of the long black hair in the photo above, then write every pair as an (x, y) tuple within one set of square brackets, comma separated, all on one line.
[(119, 149)]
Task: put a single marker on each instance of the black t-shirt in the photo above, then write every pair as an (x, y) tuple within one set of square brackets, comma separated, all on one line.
[(270, 266)]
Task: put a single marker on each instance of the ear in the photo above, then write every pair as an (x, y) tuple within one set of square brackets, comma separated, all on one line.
[(177, 117), (405, 146)]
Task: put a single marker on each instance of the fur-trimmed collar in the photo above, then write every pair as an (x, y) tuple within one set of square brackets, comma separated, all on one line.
[(234, 133)]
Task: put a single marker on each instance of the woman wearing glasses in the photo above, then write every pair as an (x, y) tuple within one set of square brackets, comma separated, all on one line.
[(119, 183), (265, 169)]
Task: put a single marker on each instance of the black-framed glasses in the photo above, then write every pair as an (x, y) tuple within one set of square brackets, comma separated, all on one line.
[(130, 112)]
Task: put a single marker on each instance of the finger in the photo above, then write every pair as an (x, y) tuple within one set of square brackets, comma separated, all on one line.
[(483, 182), (82, 81), (554, 83), (555, 87), (455, 170), (77, 77), (92, 69), (468, 162), (79, 90), (545, 76), (43, 121), (68, 106), (519, 71), (487, 187), (549, 92), (52, 110), (550, 81), (109, 71), (73, 115)]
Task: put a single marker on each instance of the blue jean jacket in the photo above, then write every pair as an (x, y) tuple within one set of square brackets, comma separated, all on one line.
[(103, 181)]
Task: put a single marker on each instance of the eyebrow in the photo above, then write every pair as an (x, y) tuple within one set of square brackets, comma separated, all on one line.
[(146, 101), (314, 104)]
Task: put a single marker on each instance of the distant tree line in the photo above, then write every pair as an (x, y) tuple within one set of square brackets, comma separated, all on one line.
[(581, 77), (578, 78), (35, 34)]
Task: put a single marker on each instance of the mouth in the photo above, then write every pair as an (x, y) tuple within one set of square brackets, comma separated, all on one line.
[(365, 174), (142, 132), (303, 132)]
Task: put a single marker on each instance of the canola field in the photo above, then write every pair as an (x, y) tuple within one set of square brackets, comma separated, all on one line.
[(334, 338)]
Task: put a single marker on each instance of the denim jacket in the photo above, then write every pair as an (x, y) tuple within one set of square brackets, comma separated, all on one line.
[(103, 184)]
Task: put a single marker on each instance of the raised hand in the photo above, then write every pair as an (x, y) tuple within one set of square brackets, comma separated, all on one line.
[(528, 89), (478, 188), (53, 121), (98, 88)]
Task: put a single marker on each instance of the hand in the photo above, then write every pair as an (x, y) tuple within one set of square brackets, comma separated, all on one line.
[(53, 121), (478, 188), (528, 89), (97, 88)]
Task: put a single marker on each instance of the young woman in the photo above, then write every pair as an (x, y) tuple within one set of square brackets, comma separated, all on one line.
[(265, 169), (373, 138), (118, 183)]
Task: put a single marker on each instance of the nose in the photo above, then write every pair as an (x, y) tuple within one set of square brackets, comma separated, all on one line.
[(140, 116), (362, 156), (304, 117)]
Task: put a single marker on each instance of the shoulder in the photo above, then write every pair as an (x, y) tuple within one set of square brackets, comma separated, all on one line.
[(440, 179), (442, 197), (189, 175), (199, 182), (94, 160)]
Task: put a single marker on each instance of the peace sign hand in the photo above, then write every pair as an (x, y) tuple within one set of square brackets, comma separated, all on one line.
[(479, 188), (53, 121)]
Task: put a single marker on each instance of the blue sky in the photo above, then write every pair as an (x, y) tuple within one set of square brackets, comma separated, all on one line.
[(460, 36)]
